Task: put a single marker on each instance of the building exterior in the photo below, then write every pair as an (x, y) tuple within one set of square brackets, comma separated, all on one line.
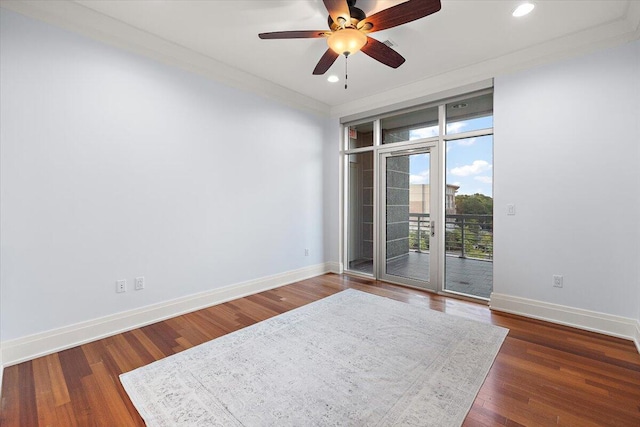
[(419, 198)]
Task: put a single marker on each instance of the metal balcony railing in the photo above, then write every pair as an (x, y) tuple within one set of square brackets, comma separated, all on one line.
[(419, 232), (466, 236)]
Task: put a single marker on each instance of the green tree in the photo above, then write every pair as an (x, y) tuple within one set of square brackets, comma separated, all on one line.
[(476, 204), (477, 230)]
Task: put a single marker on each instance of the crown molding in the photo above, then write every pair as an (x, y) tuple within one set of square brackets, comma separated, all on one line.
[(80, 19), (610, 34), (95, 25)]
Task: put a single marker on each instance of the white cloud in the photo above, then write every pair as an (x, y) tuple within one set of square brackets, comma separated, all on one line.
[(484, 179), (420, 178), (423, 133), (467, 142), (478, 166), (455, 127)]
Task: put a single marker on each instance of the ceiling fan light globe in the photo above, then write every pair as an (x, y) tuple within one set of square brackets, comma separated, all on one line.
[(347, 41)]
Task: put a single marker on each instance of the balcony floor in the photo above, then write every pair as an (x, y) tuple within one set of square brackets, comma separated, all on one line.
[(469, 276), (464, 275)]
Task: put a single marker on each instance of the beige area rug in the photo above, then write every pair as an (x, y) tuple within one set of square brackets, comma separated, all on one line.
[(352, 359)]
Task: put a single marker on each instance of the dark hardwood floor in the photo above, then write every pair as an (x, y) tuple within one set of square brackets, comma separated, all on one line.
[(544, 374)]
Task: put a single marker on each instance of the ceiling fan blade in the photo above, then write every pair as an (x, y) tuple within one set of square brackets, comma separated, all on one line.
[(399, 14), (325, 62), (337, 9), (304, 34), (383, 53)]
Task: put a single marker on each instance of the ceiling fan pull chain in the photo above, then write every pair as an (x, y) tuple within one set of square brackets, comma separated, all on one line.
[(346, 69)]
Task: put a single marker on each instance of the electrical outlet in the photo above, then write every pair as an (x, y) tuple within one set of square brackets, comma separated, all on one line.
[(511, 209), (557, 281), (306, 252), (121, 285), (139, 283)]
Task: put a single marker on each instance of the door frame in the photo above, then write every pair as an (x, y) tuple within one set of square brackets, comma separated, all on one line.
[(432, 146)]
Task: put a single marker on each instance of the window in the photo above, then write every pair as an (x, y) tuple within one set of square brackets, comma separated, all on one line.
[(470, 114), (403, 222), (361, 135), (410, 126)]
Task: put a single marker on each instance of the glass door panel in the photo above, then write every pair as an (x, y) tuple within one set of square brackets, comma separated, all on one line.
[(469, 217), (409, 196), (360, 213)]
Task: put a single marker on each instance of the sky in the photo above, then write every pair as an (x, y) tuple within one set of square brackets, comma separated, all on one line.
[(469, 161)]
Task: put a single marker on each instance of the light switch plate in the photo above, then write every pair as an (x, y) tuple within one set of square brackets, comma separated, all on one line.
[(121, 285)]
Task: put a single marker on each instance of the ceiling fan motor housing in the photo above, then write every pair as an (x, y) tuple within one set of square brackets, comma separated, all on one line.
[(357, 15)]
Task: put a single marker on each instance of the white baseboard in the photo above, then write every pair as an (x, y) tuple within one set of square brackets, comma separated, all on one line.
[(334, 267), (617, 326), (33, 346)]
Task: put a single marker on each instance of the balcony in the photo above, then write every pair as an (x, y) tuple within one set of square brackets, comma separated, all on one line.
[(469, 254), (466, 236), (468, 248)]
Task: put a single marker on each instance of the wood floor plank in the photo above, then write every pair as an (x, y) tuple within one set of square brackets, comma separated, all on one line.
[(200, 329), (29, 408), (58, 384), (148, 344), (11, 402), (65, 416), (114, 372), (104, 398), (123, 354), (93, 351), (544, 374), (75, 367), (145, 356), (45, 400), (162, 336)]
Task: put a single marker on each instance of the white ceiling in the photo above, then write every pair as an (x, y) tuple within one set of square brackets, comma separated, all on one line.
[(466, 41)]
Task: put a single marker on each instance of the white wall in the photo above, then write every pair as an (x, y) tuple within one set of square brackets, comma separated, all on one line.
[(115, 166), (567, 144)]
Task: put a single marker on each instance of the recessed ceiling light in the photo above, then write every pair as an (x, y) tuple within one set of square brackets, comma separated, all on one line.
[(333, 79), (523, 9)]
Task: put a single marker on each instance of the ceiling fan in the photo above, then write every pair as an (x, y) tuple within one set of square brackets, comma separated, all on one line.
[(349, 27)]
